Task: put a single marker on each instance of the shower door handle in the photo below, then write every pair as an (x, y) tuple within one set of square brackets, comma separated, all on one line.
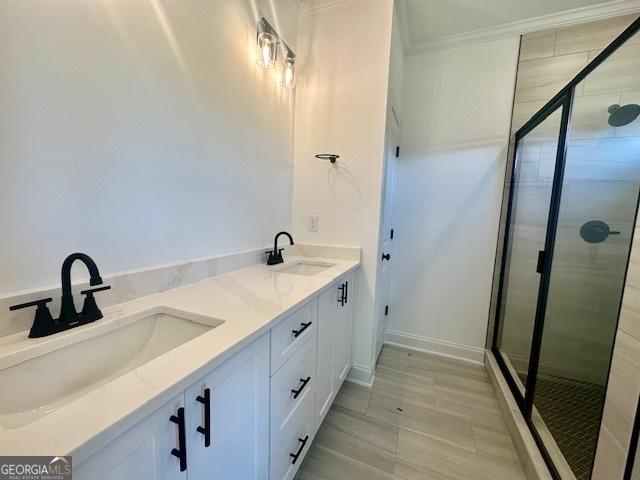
[(540, 266)]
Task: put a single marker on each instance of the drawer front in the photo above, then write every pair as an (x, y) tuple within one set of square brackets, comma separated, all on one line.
[(299, 437), (293, 391), (291, 333)]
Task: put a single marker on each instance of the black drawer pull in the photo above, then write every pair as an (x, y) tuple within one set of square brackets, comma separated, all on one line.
[(299, 390), (206, 430), (346, 292), (304, 326), (295, 456), (342, 298), (181, 451)]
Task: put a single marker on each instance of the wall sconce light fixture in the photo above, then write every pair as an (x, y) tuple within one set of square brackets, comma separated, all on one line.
[(266, 46)]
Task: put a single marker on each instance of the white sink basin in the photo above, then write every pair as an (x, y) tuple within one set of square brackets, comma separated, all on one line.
[(46, 382), (306, 268)]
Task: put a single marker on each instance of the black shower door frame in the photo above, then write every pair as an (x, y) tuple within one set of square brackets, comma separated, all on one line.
[(562, 100)]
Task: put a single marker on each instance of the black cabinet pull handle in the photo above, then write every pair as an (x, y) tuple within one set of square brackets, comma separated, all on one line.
[(295, 456), (342, 300), (304, 326), (346, 292), (299, 390), (181, 451), (386, 256), (206, 430)]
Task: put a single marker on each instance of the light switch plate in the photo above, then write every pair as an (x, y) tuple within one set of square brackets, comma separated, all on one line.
[(313, 223)]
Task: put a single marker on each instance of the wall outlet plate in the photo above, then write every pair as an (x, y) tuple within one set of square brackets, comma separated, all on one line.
[(313, 223)]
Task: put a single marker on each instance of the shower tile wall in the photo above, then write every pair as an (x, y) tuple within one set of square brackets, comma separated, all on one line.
[(548, 61), (623, 388)]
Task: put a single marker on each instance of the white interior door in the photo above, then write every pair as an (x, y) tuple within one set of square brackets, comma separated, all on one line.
[(390, 167)]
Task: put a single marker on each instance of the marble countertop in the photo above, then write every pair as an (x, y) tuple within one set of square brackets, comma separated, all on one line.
[(250, 301)]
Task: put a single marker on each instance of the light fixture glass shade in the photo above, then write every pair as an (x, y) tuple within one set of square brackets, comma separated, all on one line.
[(288, 73), (266, 50)]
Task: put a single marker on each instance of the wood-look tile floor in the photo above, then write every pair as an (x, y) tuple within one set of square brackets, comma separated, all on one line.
[(426, 417)]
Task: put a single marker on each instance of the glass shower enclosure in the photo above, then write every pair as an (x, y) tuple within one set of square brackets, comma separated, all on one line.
[(570, 222)]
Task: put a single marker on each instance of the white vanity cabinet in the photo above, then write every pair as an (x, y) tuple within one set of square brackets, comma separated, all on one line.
[(142, 452), (239, 429), (237, 397), (335, 326), (253, 417)]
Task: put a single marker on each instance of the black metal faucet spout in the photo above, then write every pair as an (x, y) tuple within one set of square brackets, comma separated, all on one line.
[(68, 313), (275, 256)]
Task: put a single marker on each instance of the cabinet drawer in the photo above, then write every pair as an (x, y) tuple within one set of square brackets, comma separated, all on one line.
[(299, 436), (292, 332), (293, 388)]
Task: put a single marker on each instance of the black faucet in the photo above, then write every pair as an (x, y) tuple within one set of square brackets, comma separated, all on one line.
[(275, 256), (44, 324)]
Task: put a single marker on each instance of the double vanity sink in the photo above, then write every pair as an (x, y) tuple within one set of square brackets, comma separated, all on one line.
[(95, 381), (82, 360)]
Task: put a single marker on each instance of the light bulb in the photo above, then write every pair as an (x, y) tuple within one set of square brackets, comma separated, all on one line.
[(266, 50), (288, 74)]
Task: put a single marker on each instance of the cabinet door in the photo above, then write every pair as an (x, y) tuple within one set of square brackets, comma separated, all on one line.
[(143, 451), (343, 331), (238, 393), (325, 365)]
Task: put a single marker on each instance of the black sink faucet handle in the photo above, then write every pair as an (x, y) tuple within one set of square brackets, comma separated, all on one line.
[(35, 303), (91, 291), (43, 324), (90, 311)]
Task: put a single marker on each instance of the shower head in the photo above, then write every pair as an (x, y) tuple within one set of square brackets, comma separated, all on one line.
[(621, 116)]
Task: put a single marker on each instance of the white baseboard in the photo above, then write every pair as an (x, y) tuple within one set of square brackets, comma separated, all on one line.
[(438, 347), (361, 375)]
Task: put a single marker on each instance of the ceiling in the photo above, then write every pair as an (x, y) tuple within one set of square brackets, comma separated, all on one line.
[(429, 24)]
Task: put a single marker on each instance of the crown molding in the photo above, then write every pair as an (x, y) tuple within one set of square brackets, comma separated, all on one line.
[(309, 7), (570, 17), (403, 22)]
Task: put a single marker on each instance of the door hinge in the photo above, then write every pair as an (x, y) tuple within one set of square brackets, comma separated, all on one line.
[(386, 310), (541, 258), (397, 151), (391, 234)]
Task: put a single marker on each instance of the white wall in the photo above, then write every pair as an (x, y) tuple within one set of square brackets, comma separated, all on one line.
[(456, 116), (141, 133), (340, 108), (396, 63)]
